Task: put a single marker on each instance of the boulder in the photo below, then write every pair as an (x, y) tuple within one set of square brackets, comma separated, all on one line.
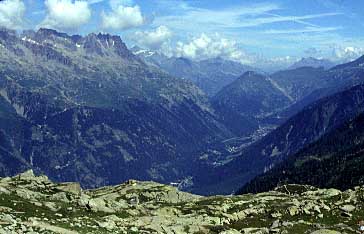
[(108, 225), (293, 210), (255, 231), (99, 205), (347, 208), (325, 231), (230, 231), (73, 188), (4, 190)]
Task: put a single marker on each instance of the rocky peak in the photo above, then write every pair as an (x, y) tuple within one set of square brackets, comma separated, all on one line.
[(101, 43), (106, 40), (120, 47), (92, 44), (49, 38), (47, 33)]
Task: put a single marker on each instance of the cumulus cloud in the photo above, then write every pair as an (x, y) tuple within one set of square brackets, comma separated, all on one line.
[(347, 53), (11, 13), (66, 14), (123, 15), (211, 47), (153, 39)]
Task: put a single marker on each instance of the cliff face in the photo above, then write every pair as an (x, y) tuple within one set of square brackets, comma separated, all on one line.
[(30, 203)]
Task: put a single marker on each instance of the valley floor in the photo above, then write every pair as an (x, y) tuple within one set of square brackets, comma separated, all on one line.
[(33, 204)]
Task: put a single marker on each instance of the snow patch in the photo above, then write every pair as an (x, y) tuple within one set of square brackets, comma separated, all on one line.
[(30, 40), (289, 132), (275, 152), (146, 53)]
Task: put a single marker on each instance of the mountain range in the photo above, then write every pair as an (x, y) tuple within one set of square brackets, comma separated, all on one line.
[(88, 109), (210, 75), (307, 126)]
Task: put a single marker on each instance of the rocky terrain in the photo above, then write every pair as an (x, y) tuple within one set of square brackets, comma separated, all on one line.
[(34, 204)]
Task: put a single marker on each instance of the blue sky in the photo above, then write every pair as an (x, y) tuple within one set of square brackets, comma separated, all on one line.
[(253, 32)]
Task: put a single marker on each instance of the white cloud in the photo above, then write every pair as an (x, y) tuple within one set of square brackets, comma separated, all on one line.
[(122, 16), (11, 13), (346, 53), (153, 39), (66, 14), (211, 47)]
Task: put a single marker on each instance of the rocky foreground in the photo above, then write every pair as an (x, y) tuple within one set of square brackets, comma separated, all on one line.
[(33, 204)]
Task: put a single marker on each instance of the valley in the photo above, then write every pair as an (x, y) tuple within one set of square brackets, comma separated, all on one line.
[(143, 121), (181, 117)]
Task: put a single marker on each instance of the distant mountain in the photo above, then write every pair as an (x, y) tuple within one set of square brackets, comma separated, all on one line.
[(334, 161), (85, 108), (210, 75), (302, 129), (250, 97), (319, 83), (312, 62)]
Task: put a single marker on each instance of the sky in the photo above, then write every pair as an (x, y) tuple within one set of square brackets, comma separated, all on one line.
[(252, 32)]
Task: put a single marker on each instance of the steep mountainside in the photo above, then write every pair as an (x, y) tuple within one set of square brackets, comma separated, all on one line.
[(13, 132), (335, 160), (34, 204), (300, 82), (210, 75), (249, 98), (302, 129), (87, 109)]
